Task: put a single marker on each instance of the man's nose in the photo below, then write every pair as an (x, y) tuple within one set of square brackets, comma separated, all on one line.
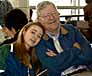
[(51, 16)]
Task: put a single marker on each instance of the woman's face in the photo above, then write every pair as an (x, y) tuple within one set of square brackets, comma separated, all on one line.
[(32, 36)]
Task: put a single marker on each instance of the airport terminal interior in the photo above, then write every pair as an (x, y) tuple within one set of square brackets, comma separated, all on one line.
[(73, 8), (71, 11)]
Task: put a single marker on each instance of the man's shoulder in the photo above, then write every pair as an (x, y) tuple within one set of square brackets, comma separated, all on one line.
[(66, 28)]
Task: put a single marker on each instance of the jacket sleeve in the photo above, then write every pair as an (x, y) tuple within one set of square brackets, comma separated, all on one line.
[(59, 62), (86, 50), (11, 69)]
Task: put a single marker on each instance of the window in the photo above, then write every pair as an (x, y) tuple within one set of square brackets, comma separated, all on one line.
[(66, 7)]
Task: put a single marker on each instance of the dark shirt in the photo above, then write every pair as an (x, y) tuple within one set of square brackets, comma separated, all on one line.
[(87, 11)]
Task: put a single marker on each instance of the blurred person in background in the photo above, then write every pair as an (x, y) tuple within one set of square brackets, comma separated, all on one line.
[(5, 6), (13, 22), (88, 17)]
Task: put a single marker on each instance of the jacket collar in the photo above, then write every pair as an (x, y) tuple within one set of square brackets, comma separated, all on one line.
[(63, 31)]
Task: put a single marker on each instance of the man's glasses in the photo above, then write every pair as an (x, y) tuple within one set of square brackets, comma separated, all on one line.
[(54, 14)]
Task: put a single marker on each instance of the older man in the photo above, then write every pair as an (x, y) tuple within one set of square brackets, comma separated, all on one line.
[(62, 46)]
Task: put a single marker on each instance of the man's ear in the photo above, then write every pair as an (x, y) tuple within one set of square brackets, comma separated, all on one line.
[(6, 30), (37, 19), (13, 31)]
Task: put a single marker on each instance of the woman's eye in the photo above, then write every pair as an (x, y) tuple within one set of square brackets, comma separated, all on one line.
[(33, 32)]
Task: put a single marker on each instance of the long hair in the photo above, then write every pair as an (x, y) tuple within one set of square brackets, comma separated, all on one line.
[(20, 50)]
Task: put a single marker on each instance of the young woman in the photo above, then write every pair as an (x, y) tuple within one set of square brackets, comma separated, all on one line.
[(22, 60)]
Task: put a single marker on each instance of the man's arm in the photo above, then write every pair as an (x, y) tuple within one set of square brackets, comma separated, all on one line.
[(86, 50), (60, 61)]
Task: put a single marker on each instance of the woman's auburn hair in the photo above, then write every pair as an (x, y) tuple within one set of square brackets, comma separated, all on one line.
[(22, 53)]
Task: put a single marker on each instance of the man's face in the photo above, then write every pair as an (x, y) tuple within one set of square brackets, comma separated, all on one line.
[(49, 18)]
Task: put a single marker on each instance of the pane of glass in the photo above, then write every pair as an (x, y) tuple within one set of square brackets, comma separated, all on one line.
[(57, 2), (82, 2), (63, 11)]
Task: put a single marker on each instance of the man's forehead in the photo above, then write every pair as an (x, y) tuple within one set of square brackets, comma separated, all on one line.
[(48, 9)]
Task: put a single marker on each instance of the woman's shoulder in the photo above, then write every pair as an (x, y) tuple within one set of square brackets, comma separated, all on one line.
[(4, 51)]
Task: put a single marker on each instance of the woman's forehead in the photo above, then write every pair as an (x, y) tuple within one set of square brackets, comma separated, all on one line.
[(35, 27)]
